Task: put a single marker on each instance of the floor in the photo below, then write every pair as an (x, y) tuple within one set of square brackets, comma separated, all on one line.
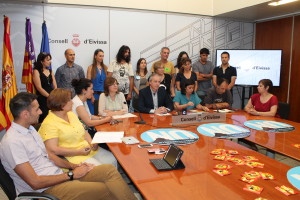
[(288, 161)]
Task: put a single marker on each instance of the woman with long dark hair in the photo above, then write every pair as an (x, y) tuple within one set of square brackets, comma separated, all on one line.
[(140, 80), (96, 72), (44, 81)]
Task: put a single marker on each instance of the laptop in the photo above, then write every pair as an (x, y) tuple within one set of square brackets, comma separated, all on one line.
[(170, 161)]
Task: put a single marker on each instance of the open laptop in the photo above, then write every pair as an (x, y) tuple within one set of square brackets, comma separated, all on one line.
[(170, 161)]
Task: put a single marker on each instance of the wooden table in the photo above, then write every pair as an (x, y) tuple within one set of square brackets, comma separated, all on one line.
[(197, 180), (275, 141)]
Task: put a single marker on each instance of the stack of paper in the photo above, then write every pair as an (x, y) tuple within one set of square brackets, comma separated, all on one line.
[(108, 137)]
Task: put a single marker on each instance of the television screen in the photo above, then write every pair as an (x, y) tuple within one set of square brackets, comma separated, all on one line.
[(254, 65)]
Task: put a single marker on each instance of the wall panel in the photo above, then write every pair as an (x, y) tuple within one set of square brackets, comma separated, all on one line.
[(276, 34), (295, 73)]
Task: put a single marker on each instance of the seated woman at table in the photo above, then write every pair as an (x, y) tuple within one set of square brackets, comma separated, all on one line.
[(187, 98), (186, 73), (112, 102), (264, 103), (64, 135), (84, 90)]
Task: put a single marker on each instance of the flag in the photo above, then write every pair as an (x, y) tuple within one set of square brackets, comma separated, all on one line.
[(3, 122), (29, 58), (45, 40), (9, 85)]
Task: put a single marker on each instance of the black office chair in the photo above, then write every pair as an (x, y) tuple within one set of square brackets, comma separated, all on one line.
[(8, 187), (283, 110)]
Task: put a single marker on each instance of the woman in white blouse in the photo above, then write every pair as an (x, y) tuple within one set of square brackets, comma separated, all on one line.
[(84, 90), (112, 102)]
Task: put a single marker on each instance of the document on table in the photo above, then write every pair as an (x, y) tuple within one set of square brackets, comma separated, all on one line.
[(224, 111), (127, 115), (108, 137), (164, 114)]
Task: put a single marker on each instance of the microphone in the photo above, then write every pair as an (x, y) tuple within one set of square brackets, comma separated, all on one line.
[(217, 107), (140, 115)]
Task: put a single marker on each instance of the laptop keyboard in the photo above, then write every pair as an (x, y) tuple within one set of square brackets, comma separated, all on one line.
[(160, 164)]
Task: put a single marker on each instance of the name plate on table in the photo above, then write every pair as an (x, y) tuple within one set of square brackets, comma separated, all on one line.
[(198, 118)]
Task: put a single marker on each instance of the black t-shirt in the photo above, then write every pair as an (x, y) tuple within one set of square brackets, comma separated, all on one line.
[(229, 72), (213, 97)]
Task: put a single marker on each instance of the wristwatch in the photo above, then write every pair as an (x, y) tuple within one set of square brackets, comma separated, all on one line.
[(71, 175)]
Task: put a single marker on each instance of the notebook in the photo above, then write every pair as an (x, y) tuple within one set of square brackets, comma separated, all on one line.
[(170, 161)]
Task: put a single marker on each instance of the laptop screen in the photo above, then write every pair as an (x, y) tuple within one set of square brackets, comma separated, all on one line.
[(172, 155)]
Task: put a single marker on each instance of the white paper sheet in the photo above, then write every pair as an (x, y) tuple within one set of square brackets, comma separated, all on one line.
[(108, 137), (127, 115)]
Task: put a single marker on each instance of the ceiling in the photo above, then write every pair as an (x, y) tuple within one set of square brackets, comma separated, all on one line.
[(262, 12), (256, 13)]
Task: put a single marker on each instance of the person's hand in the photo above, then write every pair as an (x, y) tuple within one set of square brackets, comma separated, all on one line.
[(190, 103), (73, 166), (94, 147), (108, 118), (93, 99), (82, 170), (160, 110), (205, 108), (128, 97), (85, 151)]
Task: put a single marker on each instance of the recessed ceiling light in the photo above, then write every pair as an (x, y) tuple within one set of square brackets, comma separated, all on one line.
[(281, 2)]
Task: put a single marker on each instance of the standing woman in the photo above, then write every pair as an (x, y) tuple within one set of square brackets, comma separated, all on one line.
[(186, 73), (97, 74), (44, 81), (181, 56), (140, 80), (264, 103)]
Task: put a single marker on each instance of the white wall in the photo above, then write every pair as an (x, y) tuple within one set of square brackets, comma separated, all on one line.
[(144, 32)]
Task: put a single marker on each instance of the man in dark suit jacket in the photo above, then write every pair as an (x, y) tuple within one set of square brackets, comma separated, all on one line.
[(154, 99)]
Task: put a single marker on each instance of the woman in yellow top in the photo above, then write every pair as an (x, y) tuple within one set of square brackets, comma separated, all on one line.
[(64, 135)]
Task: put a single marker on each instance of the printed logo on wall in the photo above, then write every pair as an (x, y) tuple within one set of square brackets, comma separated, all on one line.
[(222, 130), (76, 40), (168, 136), (293, 176), (266, 125)]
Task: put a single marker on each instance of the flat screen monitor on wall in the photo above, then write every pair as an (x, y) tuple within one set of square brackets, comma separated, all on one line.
[(254, 65)]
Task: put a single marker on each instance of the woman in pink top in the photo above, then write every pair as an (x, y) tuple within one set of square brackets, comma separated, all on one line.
[(264, 103)]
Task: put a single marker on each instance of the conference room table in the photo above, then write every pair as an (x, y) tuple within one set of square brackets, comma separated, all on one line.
[(280, 142), (197, 180)]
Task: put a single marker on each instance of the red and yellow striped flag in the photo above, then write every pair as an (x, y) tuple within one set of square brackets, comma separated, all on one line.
[(3, 122), (9, 85), (29, 58)]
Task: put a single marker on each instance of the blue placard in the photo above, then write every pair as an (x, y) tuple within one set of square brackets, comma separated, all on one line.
[(293, 176), (267, 125), (169, 134), (229, 130)]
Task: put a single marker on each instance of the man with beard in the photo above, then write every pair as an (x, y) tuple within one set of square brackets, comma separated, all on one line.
[(121, 69), (204, 71), (225, 71), (219, 97)]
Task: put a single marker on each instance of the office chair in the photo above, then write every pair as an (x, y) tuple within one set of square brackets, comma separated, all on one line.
[(8, 187), (283, 110)]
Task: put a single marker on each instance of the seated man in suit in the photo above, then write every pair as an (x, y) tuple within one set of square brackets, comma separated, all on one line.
[(219, 97), (154, 99)]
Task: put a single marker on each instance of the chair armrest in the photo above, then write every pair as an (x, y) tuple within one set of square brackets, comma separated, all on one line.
[(36, 195)]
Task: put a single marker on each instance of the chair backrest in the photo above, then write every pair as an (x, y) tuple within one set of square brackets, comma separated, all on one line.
[(7, 183), (283, 110)]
